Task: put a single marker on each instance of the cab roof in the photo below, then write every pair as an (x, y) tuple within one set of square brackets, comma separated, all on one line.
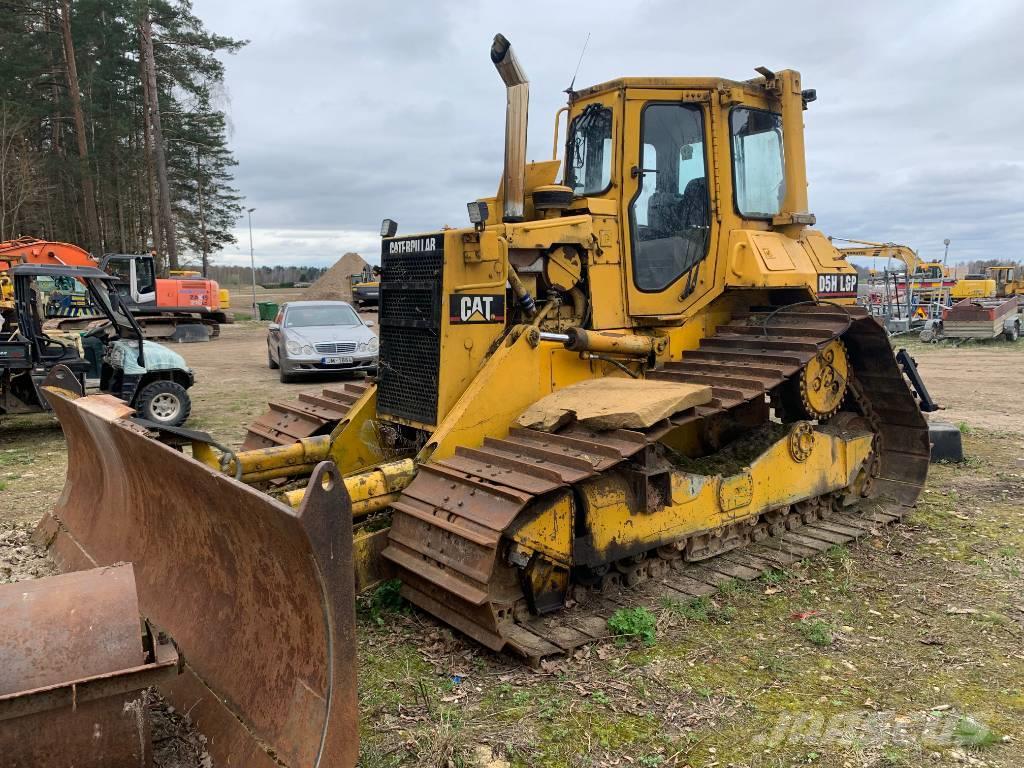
[(674, 83)]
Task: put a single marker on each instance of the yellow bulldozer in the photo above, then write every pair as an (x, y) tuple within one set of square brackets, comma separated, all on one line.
[(650, 370)]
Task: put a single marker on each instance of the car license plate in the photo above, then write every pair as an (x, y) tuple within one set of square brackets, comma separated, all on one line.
[(336, 360)]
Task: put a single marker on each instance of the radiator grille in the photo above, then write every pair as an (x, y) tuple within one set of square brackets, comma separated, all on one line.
[(410, 328), (336, 348)]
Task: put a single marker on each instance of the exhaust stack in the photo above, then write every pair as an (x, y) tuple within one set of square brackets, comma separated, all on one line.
[(516, 111)]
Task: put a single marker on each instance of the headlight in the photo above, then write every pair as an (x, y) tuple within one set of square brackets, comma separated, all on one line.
[(373, 344), (307, 350), (294, 348)]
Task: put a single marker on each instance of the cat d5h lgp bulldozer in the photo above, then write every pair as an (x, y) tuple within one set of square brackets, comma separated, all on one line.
[(649, 371)]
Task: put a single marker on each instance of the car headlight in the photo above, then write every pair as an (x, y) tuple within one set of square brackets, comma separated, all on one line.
[(294, 348), (307, 350), (373, 345)]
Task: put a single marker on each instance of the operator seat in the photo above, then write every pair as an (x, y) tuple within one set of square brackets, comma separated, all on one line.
[(676, 236)]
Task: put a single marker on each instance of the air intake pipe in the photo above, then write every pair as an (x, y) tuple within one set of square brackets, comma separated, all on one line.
[(516, 111)]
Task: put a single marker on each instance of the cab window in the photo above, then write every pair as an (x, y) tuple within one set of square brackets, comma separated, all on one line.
[(588, 151), (757, 162), (669, 215), (121, 269), (144, 275)]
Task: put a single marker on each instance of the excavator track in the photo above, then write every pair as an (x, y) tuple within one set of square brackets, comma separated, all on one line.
[(447, 528), (312, 413)]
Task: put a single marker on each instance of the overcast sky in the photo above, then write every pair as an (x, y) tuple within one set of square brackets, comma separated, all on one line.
[(343, 113)]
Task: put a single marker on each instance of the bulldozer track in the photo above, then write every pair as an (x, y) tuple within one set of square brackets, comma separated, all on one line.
[(310, 414), (447, 528)]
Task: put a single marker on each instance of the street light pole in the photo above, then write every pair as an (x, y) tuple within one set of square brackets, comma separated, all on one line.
[(945, 256), (252, 264)]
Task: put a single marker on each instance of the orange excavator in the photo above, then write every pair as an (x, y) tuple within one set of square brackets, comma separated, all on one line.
[(176, 309)]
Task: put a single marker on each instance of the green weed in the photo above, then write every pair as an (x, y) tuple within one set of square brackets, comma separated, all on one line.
[(971, 733), (774, 576), (838, 554), (697, 609), (633, 623), (730, 587), (387, 598), (817, 632), (964, 427)]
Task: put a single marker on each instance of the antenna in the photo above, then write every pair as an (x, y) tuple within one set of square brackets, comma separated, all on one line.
[(571, 84)]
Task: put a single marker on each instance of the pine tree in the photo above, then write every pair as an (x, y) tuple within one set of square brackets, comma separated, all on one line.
[(77, 150)]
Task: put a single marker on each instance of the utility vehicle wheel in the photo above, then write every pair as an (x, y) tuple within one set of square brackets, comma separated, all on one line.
[(164, 402), (270, 361), (1013, 334)]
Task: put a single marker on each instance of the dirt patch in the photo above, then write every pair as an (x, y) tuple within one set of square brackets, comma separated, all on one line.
[(20, 557), (977, 384), (334, 284)]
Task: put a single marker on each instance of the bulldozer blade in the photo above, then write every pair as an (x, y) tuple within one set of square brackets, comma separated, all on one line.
[(75, 670), (258, 597)]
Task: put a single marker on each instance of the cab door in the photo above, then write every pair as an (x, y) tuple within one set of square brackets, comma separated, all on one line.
[(667, 205), (143, 280)]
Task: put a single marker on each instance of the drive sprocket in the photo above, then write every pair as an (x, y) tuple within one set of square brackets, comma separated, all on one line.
[(823, 380)]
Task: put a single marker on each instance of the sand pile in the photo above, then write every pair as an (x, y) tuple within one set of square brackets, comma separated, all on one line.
[(333, 285)]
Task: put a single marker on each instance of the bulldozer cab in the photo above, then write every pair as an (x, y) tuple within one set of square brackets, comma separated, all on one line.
[(1007, 282), (683, 162)]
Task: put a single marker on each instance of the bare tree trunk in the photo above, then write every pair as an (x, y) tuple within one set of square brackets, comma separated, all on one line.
[(202, 214), (147, 138), (91, 223), (160, 157)]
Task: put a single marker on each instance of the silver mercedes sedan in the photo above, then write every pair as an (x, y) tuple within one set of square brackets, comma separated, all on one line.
[(311, 336)]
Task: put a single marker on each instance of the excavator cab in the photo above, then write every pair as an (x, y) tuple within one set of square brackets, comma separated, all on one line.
[(136, 276)]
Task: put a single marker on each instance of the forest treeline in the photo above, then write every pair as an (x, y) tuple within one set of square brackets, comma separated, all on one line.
[(242, 276), (113, 127)]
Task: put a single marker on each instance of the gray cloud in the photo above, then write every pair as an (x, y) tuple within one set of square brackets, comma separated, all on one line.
[(344, 113)]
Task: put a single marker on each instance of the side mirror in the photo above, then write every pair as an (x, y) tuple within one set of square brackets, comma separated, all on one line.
[(273, 327), (368, 323)]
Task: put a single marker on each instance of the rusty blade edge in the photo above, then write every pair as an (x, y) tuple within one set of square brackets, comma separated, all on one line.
[(75, 692)]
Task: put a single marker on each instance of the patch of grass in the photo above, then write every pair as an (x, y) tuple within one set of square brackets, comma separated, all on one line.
[(838, 554), (730, 587), (3, 485), (817, 632), (697, 609), (964, 427), (387, 598), (13, 456), (971, 733), (774, 576), (634, 623), (1007, 551)]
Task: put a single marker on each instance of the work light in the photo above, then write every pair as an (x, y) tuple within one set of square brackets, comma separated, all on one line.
[(388, 227), (477, 213)]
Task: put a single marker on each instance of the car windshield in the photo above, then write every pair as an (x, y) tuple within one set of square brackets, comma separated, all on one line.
[(324, 314)]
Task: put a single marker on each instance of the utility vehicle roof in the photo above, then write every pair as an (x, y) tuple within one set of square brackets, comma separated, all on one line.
[(47, 270)]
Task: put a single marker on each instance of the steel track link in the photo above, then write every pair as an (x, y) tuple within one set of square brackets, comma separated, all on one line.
[(311, 413), (446, 533)]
